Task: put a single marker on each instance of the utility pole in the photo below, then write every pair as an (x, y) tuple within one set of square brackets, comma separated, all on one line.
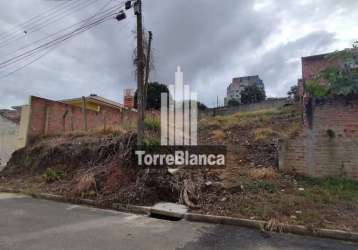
[(147, 68), (140, 72)]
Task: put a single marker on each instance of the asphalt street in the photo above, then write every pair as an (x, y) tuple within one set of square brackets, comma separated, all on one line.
[(27, 223)]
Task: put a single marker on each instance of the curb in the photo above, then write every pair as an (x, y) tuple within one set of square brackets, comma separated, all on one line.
[(212, 219), (58, 198), (260, 225)]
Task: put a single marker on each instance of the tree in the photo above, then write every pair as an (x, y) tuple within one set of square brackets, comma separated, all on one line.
[(202, 106), (154, 92), (253, 94), (233, 103), (293, 93), (341, 79)]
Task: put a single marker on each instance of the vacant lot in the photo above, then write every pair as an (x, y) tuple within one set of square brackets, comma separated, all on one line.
[(100, 167)]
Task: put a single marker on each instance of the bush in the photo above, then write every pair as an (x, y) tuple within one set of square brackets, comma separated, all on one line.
[(52, 175), (151, 142), (152, 123), (233, 103)]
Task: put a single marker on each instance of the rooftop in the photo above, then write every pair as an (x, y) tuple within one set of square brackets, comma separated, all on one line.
[(97, 99), (11, 115)]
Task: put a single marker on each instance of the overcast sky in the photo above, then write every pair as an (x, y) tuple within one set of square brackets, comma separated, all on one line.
[(213, 41)]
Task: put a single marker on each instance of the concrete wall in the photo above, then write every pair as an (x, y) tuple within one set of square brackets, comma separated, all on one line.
[(21, 140), (268, 104), (328, 142), (8, 135)]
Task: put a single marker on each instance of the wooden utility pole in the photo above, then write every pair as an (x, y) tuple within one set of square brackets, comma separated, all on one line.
[(140, 72), (147, 68)]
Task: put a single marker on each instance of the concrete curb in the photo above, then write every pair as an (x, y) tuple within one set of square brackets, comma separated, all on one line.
[(255, 224), (53, 197)]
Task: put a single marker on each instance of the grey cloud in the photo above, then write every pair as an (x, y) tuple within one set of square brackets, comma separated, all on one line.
[(213, 41)]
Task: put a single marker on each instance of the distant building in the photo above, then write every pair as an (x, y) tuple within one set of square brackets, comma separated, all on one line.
[(238, 85)]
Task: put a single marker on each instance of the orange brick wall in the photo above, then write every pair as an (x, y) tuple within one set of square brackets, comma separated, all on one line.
[(49, 117), (328, 142)]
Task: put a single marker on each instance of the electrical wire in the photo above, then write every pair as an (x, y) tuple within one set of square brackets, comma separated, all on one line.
[(45, 22), (47, 44), (48, 47), (101, 16), (101, 11), (34, 19)]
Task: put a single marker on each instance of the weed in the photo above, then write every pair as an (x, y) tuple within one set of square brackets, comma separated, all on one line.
[(151, 142), (218, 134), (262, 134), (339, 188), (261, 185), (86, 183), (274, 225), (52, 175), (152, 123), (262, 173)]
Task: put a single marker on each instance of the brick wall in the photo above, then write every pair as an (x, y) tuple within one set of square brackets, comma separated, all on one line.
[(328, 142), (312, 66), (49, 117)]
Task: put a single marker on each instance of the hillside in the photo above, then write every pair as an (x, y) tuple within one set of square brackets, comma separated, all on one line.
[(100, 167)]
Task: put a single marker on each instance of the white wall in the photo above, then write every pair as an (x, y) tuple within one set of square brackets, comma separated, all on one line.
[(8, 139)]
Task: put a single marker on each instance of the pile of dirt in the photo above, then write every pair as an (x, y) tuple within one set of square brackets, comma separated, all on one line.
[(98, 167)]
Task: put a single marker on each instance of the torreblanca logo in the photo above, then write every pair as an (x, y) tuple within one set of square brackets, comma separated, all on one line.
[(179, 158)]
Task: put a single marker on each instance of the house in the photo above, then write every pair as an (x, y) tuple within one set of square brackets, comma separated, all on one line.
[(9, 129), (94, 103), (239, 84), (47, 117)]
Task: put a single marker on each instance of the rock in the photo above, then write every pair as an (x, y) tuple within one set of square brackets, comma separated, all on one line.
[(173, 171), (208, 183), (293, 217), (223, 199), (298, 212), (301, 189)]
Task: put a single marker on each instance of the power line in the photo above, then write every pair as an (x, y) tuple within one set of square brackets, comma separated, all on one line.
[(49, 49), (101, 11), (106, 13), (50, 43), (35, 60), (45, 22), (32, 19)]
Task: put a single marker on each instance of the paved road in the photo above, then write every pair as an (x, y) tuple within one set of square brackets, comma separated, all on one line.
[(26, 223)]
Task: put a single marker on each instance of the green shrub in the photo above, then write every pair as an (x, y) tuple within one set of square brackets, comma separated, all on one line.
[(152, 123), (52, 175), (151, 142), (315, 89)]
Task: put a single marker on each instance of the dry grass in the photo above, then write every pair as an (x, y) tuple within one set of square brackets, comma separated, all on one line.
[(261, 134), (218, 134), (86, 183), (263, 174), (245, 119), (274, 225)]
